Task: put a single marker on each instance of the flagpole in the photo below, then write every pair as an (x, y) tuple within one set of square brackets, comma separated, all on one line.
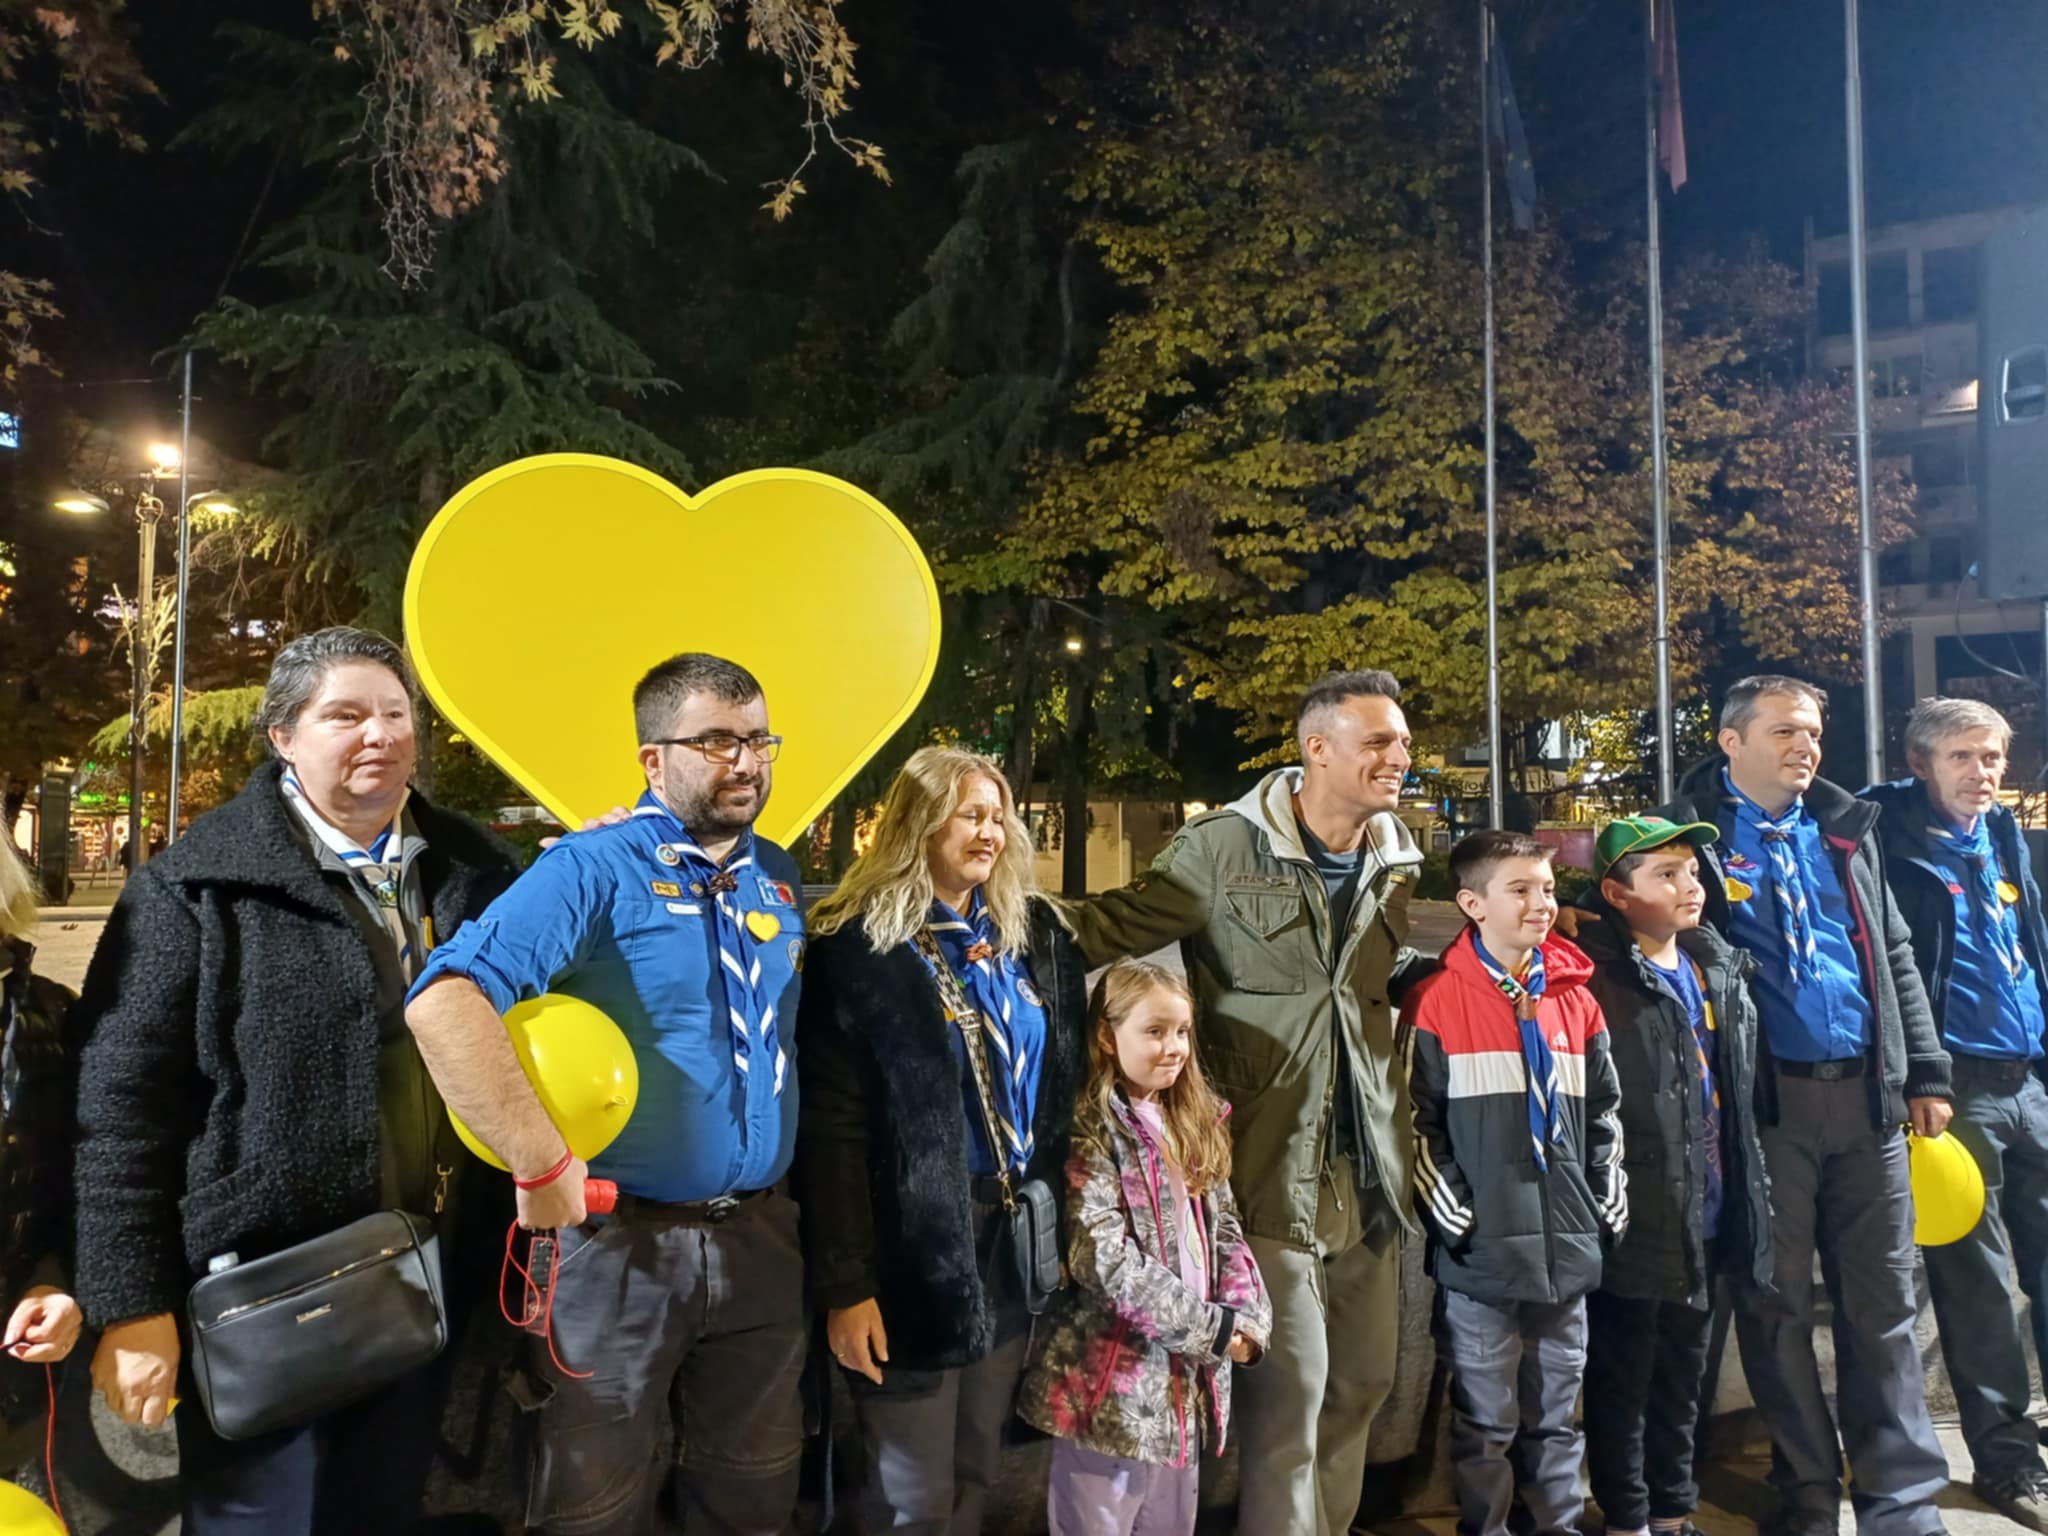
[(1660, 469), (1495, 795), (1859, 322)]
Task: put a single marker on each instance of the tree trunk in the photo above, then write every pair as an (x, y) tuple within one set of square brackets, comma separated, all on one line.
[(840, 848), (1022, 761), (1074, 794)]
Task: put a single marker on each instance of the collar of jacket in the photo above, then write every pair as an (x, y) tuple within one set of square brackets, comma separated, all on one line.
[(251, 841), (1269, 806), (1609, 938), (1565, 965), (1906, 814), (1841, 815)]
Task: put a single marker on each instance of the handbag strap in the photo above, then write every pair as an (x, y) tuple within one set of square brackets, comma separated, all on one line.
[(961, 1012)]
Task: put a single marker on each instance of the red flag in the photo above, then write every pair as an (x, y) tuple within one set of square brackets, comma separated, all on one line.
[(1670, 116)]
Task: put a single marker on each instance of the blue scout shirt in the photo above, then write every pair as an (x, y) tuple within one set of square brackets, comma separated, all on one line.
[(1991, 1011), (603, 917), (1824, 1015)]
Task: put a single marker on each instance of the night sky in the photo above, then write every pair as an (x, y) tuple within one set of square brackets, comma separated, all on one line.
[(1956, 104)]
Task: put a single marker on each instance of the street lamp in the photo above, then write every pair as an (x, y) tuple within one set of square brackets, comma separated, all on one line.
[(149, 513)]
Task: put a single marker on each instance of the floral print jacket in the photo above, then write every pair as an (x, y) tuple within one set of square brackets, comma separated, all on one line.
[(1129, 1361)]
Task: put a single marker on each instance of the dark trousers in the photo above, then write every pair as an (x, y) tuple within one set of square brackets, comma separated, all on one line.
[(363, 1469), (1839, 1186), (2003, 1119), (1516, 1370), (1645, 1373), (696, 1325), (932, 1441)]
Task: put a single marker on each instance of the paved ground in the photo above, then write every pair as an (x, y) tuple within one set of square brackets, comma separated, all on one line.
[(120, 1481)]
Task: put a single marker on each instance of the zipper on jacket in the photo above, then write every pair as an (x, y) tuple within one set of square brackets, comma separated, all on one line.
[(1867, 943)]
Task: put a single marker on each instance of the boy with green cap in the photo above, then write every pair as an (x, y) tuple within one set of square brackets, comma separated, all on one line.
[(1683, 1035)]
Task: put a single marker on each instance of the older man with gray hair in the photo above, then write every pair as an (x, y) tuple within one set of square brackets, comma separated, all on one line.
[(1958, 872)]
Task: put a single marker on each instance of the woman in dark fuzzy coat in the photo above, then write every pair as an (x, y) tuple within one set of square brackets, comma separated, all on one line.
[(42, 1320), (904, 1227), (247, 1081)]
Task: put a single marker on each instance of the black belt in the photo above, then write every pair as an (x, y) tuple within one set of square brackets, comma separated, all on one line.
[(1826, 1071), (2002, 1070), (705, 1213)]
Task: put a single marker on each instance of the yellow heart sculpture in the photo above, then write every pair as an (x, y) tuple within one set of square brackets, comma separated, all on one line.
[(543, 590)]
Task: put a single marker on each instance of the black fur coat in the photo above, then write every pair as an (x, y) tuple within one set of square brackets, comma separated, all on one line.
[(881, 1156), (228, 1031)]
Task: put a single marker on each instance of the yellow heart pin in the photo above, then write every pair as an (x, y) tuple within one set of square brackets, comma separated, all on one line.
[(543, 590), (2008, 893), (1738, 890), (763, 925)]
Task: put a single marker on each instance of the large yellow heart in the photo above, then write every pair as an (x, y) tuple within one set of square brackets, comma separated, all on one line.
[(543, 590)]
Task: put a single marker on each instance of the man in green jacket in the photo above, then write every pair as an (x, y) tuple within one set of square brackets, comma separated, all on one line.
[(1290, 908)]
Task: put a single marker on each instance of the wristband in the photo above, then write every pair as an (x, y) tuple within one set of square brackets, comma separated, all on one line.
[(554, 1173)]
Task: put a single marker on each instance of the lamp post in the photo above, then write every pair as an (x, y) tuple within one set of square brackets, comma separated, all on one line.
[(149, 513)]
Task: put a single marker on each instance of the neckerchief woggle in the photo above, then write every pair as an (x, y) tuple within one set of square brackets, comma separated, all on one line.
[(1788, 884), (1544, 1122), (379, 866), (749, 1016), (995, 985)]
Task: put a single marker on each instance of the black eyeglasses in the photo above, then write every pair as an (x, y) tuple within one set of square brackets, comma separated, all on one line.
[(724, 748)]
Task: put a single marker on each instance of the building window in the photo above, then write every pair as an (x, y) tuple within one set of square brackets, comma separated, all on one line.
[(1948, 281), (1834, 298), (1889, 310), (1895, 378), (1895, 565), (1944, 558), (1942, 460)]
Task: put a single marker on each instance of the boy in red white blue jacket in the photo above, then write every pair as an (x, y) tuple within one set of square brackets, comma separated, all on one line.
[(1519, 1177)]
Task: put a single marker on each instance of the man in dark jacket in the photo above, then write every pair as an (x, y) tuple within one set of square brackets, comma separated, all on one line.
[(1849, 1052), (1682, 1033), (1959, 873)]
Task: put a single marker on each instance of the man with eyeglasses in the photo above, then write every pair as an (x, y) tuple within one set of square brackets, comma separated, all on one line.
[(682, 926)]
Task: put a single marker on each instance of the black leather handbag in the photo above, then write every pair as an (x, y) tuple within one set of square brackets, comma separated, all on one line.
[(283, 1340)]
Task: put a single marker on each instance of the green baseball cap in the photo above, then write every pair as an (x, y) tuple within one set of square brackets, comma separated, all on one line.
[(1639, 834)]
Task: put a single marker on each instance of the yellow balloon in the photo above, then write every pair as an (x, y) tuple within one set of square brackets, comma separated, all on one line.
[(23, 1514), (543, 686), (580, 1065), (1948, 1190)]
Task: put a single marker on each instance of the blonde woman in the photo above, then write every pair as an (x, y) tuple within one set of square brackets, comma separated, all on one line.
[(905, 1232), (42, 1320)]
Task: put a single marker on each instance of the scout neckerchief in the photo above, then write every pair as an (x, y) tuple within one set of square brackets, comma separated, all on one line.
[(1526, 994), (997, 989), (380, 866), (1788, 878), (1990, 913), (750, 1015)]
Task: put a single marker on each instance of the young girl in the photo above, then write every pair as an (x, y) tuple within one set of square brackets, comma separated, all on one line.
[(1132, 1364)]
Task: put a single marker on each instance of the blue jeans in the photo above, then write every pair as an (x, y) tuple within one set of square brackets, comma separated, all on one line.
[(2004, 1123)]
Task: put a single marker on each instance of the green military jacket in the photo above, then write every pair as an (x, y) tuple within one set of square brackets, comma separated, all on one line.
[(1238, 892)]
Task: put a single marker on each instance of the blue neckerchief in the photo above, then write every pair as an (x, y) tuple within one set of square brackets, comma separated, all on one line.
[(1541, 1066), (997, 987), (752, 1020), (1993, 919), (1788, 878)]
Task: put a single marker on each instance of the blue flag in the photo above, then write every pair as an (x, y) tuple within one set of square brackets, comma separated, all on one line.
[(1504, 123)]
